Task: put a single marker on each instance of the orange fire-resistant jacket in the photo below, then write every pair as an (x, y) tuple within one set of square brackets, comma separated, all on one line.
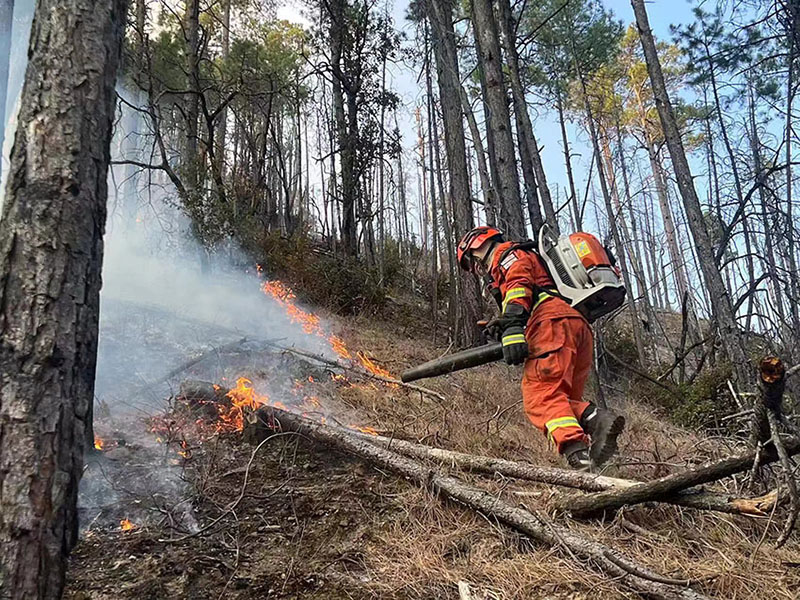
[(559, 343)]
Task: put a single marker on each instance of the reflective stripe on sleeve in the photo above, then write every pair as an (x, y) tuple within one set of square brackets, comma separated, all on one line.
[(513, 294), (514, 338)]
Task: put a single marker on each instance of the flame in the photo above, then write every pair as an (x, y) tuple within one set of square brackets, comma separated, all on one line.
[(126, 525), (243, 396), (98, 443), (310, 323), (373, 368), (369, 430)]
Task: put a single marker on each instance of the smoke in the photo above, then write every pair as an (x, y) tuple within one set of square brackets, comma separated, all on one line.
[(165, 301)]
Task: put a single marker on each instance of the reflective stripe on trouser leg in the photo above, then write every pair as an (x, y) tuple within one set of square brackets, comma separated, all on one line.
[(560, 423), (552, 376)]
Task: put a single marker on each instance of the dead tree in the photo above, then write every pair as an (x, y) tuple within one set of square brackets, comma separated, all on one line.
[(722, 306), (51, 252), (767, 417), (588, 482)]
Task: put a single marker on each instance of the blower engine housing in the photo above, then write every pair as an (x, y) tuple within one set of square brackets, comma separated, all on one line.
[(583, 271)]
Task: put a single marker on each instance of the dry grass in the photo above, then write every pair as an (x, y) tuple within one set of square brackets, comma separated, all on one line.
[(433, 545)]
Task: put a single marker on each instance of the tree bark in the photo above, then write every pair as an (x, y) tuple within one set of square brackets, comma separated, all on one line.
[(534, 178), (345, 128), (587, 482), (192, 107), (506, 179), (50, 260), (536, 524), (222, 119), (721, 304), (450, 91)]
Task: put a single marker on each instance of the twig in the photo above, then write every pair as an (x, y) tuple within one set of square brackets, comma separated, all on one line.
[(788, 475), (362, 372), (233, 506)]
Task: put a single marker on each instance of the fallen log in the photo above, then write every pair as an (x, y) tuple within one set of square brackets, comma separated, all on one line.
[(532, 523), (668, 486), (587, 482)]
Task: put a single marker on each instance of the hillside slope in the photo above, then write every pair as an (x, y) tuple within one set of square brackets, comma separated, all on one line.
[(296, 520)]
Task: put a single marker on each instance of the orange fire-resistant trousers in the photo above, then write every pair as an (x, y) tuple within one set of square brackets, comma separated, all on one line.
[(560, 358)]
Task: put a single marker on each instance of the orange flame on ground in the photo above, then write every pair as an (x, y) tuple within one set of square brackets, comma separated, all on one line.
[(373, 368), (98, 443), (126, 525), (242, 396), (369, 430)]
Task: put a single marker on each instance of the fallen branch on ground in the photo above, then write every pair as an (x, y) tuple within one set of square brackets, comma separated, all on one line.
[(659, 489), (588, 482), (532, 523)]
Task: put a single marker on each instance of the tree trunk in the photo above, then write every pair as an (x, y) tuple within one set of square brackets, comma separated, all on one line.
[(568, 162), (344, 129), (506, 179), (769, 243), (536, 525), (450, 97), (192, 105), (635, 321), (717, 292), (6, 23), (223, 115), (671, 484), (525, 139), (50, 260)]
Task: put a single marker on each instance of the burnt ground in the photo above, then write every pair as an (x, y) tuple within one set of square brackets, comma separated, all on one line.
[(299, 530)]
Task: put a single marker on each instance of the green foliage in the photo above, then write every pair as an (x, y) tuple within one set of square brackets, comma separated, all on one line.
[(621, 344), (581, 31), (698, 404)]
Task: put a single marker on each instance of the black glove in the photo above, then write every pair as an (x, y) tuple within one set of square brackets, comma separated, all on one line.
[(515, 346), (512, 324)]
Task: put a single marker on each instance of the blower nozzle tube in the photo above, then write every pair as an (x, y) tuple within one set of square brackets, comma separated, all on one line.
[(472, 357)]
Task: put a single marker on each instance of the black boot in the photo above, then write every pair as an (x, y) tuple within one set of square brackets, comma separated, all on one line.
[(603, 427), (577, 455)]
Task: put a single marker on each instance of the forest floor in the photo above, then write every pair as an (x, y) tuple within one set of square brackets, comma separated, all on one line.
[(297, 520)]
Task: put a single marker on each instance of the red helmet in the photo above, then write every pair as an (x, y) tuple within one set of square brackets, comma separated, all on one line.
[(474, 240)]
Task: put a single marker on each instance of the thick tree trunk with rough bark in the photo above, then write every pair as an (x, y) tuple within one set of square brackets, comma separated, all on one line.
[(50, 260), (450, 100), (506, 179), (720, 299)]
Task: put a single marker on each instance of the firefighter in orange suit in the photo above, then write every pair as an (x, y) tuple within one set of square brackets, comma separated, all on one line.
[(554, 341)]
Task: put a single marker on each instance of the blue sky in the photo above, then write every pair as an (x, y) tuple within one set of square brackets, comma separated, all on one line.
[(662, 13)]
